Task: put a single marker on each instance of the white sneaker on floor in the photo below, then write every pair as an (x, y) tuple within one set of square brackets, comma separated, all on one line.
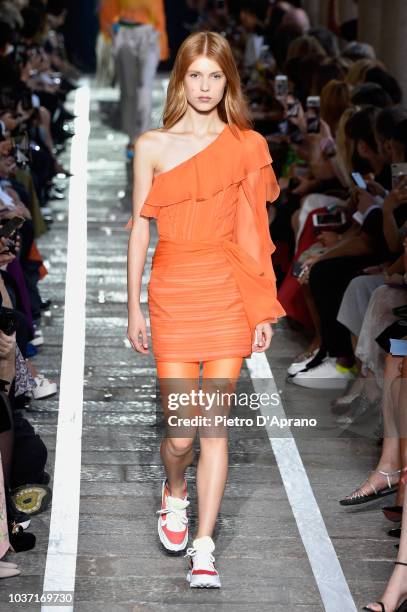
[(45, 388), (202, 572), (38, 339), (327, 375), (173, 520), (297, 366)]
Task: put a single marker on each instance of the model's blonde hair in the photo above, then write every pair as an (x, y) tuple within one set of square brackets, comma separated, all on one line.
[(233, 108)]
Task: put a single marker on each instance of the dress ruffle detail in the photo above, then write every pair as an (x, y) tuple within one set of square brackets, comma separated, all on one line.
[(186, 181)]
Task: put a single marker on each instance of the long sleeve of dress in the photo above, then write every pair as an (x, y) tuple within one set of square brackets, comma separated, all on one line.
[(252, 226)]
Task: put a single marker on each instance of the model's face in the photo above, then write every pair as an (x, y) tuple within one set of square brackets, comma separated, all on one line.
[(204, 84)]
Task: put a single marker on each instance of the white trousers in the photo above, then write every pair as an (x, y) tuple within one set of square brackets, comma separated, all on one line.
[(137, 55)]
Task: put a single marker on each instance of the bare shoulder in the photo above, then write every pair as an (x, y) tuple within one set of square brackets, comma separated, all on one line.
[(147, 141), (150, 144)]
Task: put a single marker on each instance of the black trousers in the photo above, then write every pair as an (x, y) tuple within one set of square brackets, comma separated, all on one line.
[(328, 281)]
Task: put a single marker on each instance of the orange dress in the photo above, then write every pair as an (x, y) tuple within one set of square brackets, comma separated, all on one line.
[(212, 279)]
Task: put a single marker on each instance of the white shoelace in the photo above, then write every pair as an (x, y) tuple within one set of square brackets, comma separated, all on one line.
[(193, 552), (178, 513)]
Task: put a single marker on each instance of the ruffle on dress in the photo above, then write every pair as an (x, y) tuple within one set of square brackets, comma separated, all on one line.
[(212, 170)]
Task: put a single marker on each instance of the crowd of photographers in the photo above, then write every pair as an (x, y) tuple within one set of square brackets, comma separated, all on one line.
[(35, 78), (336, 124)]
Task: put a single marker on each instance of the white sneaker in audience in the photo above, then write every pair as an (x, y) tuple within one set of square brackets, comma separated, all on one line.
[(327, 375), (38, 339), (297, 366), (45, 388)]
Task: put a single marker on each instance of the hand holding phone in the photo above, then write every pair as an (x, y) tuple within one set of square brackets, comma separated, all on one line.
[(281, 86), (329, 219), (11, 226), (359, 180)]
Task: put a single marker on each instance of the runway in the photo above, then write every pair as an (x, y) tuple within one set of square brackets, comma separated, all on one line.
[(283, 543)]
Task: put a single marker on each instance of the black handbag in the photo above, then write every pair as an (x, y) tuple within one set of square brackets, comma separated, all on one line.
[(396, 330)]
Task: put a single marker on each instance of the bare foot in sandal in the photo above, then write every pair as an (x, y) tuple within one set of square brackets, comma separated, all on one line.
[(373, 488)]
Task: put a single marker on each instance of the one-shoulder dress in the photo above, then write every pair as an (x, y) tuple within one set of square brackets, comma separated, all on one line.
[(212, 279)]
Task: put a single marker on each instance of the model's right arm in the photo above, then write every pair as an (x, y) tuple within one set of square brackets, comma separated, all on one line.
[(139, 239)]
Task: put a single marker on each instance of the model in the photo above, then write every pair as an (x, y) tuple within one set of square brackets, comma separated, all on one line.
[(138, 32), (206, 177)]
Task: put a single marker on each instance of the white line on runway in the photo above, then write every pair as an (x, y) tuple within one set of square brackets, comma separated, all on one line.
[(324, 562), (60, 567)]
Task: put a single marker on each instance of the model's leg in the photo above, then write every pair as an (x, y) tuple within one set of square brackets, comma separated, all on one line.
[(149, 60), (126, 71), (177, 452), (212, 470)]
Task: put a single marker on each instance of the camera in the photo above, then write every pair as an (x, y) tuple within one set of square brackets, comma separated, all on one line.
[(8, 322)]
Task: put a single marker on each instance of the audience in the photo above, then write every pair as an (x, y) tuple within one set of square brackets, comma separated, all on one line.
[(338, 138), (35, 77)]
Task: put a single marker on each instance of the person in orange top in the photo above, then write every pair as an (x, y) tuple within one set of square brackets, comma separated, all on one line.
[(138, 30), (206, 177)]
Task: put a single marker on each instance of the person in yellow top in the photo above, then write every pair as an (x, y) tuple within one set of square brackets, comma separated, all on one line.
[(138, 32)]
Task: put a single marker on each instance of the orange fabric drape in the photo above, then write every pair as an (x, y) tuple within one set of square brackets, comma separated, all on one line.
[(142, 11), (35, 255)]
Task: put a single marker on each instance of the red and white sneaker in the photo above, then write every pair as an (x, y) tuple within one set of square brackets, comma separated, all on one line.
[(202, 571), (173, 520)]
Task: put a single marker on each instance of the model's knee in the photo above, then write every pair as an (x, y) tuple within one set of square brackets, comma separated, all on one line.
[(179, 446)]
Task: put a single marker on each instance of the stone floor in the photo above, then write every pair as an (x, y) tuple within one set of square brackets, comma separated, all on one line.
[(120, 565)]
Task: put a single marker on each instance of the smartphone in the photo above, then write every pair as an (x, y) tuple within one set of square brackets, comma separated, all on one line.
[(398, 171), (10, 226), (359, 180), (313, 114), (281, 86), (292, 109), (297, 269), (358, 217), (283, 127), (398, 347), (26, 101), (328, 219)]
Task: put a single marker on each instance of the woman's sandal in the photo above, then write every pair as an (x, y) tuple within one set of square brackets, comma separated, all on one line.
[(402, 607), (356, 498)]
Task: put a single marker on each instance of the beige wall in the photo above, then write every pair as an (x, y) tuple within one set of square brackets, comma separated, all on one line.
[(370, 16), (382, 23), (393, 47)]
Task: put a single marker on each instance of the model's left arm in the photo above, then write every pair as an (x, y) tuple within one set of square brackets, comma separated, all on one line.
[(252, 225)]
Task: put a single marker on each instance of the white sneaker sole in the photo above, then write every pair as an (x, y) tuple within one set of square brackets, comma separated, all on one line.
[(203, 581), (170, 545), (44, 394), (39, 394), (298, 366), (38, 341)]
